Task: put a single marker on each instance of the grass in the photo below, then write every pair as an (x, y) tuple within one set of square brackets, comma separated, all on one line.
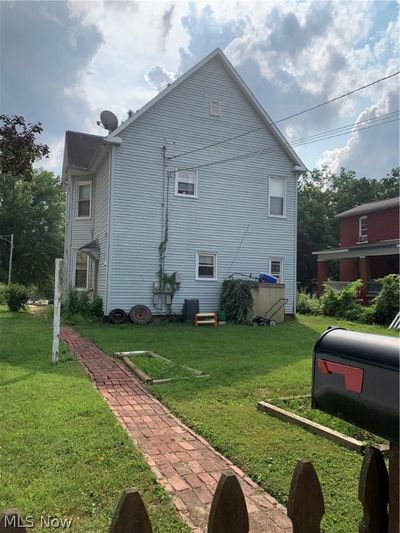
[(245, 365), (62, 451), (159, 369)]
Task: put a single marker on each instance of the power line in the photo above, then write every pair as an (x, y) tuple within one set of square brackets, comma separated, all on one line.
[(285, 118), (254, 153)]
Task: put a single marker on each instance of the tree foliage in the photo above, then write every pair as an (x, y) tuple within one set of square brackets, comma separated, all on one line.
[(321, 196), (18, 146), (34, 212)]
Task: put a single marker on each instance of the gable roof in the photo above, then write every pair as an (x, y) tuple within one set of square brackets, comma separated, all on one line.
[(81, 148), (242, 86), (371, 206)]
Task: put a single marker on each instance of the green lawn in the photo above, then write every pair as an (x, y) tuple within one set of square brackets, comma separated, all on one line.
[(62, 451), (247, 364)]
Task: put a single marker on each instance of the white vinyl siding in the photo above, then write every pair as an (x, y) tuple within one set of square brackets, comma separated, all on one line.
[(277, 197), (84, 196), (186, 183), (206, 266), (230, 215)]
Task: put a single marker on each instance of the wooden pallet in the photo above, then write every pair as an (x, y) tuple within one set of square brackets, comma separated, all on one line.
[(206, 318)]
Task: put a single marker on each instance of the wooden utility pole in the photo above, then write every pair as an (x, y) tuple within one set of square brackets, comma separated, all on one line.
[(11, 256), (57, 310)]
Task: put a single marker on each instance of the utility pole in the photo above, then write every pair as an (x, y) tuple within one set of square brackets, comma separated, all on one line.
[(10, 241)]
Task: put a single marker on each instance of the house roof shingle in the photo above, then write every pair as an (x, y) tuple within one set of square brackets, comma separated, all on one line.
[(81, 148), (372, 206)]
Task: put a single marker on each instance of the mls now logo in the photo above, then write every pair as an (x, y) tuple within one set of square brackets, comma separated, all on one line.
[(55, 523), (13, 520)]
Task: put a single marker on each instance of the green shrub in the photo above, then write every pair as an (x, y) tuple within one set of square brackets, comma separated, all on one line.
[(334, 303), (307, 305), (237, 299), (16, 296), (3, 288), (96, 308), (387, 302), (78, 304)]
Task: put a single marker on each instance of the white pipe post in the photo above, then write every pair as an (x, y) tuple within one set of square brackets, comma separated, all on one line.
[(10, 259), (57, 311)]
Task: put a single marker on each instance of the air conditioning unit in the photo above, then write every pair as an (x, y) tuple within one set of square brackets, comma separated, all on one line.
[(363, 238)]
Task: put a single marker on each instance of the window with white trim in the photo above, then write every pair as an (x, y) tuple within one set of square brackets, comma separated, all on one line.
[(84, 195), (186, 183), (363, 229), (206, 266), (81, 270), (276, 268), (215, 108), (277, 197)]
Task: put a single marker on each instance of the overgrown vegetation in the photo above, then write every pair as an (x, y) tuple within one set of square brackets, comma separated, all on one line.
[(78, 304), (387, 302), (343, 303), (237, 300)]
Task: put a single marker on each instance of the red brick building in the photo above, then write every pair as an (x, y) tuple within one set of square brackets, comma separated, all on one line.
[(369, 245)]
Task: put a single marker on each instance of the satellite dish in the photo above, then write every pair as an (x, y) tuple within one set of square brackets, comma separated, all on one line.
[(108, 120)]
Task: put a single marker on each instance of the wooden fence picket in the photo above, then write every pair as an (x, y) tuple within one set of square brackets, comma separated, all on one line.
[(11, 522), (394, 518), (373, 493), (306, 501), (131, 515), (228, 512)]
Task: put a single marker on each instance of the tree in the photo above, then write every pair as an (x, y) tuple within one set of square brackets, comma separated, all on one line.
[(34, 212), (18, 146)]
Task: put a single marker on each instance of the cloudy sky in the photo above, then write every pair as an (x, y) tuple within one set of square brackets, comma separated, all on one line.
[(62, 62)]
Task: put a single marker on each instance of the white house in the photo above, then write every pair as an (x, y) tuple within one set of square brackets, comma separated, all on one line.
[(182, 171)]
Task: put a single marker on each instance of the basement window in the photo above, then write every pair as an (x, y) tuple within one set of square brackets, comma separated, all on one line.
[(206, 266), (186, 183)]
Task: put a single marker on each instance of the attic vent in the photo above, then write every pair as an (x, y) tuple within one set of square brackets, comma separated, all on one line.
[(215, 108)]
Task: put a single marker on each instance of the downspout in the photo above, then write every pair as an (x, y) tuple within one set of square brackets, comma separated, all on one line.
[(108, 237)]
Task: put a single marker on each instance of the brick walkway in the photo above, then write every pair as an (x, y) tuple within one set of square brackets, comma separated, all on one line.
[(183, 462)]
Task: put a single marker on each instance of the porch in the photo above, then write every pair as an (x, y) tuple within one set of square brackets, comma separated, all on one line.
[(368, 262)]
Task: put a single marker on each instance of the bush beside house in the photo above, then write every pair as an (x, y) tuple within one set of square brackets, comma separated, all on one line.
[(343, 304)]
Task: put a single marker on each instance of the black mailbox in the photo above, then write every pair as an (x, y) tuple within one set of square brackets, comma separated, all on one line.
[(356, 377)]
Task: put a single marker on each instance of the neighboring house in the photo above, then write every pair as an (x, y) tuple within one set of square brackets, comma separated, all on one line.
[(126, 189), (369, 245)]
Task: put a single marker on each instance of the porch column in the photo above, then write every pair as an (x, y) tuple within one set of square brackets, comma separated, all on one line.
[(365, 275), (322, 275)]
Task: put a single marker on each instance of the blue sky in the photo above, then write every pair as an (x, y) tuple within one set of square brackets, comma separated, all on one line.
[(63, 62)]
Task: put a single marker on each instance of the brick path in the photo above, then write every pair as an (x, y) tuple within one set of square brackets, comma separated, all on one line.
[(183, 462)]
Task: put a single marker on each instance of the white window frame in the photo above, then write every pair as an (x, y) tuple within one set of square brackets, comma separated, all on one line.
[(80, 184), (284, 180), (218, 102), (362, 238), (280, 259), (196, 181), (200, 278), (87, 272)]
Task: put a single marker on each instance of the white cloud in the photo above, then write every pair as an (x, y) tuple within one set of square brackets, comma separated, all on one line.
[(159, 78), (373, 151)]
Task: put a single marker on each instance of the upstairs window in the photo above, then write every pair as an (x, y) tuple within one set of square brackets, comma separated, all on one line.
[(276, 197), (84, 199), (363, 229), (215, 108), (276, 268), (81, 270), (206, 266), (186, 183)]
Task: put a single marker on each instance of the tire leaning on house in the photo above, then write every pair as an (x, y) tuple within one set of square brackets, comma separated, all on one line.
[(140, 314), (117, 316)]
